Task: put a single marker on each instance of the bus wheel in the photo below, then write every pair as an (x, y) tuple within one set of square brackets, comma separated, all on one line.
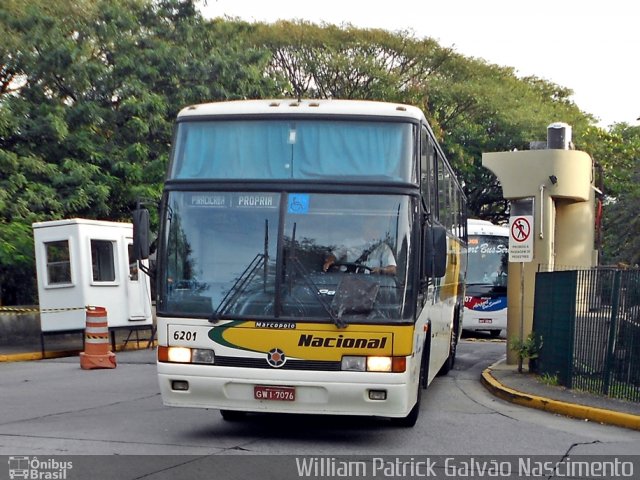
[(451, 359), (411, 419), (232, 415)]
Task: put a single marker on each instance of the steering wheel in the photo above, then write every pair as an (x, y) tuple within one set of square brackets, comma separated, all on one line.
[(351, 267)]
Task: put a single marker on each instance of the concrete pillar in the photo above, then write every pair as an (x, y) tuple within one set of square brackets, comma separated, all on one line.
[(561, 182)]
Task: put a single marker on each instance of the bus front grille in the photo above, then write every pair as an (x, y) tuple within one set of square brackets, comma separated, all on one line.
[(321, 365)]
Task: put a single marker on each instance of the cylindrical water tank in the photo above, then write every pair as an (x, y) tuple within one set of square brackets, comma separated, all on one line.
[(559, 136)]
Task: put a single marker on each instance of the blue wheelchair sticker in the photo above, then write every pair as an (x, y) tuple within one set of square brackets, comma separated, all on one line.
[(298, 203)]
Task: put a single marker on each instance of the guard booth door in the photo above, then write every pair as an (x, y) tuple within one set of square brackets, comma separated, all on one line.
[(137, 289)]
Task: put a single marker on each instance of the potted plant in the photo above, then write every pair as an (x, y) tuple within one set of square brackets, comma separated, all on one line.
[(529, 348)]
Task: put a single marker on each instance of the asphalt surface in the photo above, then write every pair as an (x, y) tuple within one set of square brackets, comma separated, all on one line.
[(501, 379)]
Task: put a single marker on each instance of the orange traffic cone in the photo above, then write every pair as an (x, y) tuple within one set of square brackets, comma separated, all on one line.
[(96, 341)]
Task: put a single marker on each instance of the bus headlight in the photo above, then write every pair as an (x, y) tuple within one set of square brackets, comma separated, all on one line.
[(378, 364), (186, 355), (353, 364), (202, 355), (373, 364), (179, 354)]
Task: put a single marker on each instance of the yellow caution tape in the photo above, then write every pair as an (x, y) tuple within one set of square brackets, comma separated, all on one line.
[(24, 311), (18, 309)]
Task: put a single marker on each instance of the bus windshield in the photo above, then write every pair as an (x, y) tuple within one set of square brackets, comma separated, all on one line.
[(294, 149), (488, 260), (264, 255)]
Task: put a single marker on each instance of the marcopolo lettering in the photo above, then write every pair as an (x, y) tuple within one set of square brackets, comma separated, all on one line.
[(309, 340), (278, 325)]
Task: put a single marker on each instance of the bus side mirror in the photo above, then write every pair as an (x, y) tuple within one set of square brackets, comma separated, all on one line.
[(140, 234), (434, 251)]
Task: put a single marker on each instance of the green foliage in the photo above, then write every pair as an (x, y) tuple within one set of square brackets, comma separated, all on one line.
[(617, 156), (548, 379), (529, 348), (89, 91), (88, 95)]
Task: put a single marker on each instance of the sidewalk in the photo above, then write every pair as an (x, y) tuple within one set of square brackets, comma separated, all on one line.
[(505, 382), (68, 345)]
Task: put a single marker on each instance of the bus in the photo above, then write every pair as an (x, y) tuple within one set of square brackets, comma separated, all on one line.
[(260, 305), (485, 304)]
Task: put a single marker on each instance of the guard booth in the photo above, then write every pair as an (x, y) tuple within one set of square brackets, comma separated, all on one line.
[(81, 263)]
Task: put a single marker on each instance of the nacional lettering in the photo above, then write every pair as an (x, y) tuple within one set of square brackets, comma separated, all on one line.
[(308, 340)]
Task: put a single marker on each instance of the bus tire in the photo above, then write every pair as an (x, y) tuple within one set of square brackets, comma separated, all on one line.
[(411, 419), (494, 333), (232, 415), (448, 364)]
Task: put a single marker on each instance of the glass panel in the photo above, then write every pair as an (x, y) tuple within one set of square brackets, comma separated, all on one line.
[(219, 245), (222, 256), (338, 242), (133, 264), (488, 260), (58, 262), (102, 263), (444, 194), (279, 149)]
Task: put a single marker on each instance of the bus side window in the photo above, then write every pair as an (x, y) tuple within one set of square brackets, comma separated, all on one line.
[(443, 192), (426, 162)]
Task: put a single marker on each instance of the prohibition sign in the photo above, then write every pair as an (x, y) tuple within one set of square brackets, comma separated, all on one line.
[(520, 229)]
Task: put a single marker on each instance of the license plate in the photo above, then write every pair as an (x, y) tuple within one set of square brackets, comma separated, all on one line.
[(285, 394), (485, 320)]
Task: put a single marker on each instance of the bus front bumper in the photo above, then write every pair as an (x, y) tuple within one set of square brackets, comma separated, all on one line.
[(333, 393)]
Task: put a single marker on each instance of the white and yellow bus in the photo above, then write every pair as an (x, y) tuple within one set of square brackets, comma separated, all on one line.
[(252, 315)]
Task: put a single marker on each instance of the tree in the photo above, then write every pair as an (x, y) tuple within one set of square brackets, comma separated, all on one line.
[(617, 156), (473, 107), (88, 95), (89, 91)]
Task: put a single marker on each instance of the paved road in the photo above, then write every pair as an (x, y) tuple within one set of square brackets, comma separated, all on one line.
[(52, 407)]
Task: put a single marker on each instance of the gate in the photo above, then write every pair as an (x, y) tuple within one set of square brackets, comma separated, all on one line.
[(589, 321)]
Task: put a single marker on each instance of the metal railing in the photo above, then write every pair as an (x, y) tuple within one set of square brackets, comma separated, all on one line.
[(589, 321)]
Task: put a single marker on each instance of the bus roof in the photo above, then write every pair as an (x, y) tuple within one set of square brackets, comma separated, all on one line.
[(483, 227), (289, 107)]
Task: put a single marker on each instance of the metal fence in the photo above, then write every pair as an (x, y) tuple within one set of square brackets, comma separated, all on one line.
[(589, 321)]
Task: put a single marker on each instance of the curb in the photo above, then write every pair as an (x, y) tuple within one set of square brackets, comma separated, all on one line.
[(29, 356), (582, 412)]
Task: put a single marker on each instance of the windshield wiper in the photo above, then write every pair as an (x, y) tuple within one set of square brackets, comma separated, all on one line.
[(300, 269), (249, 273), (238, 287)]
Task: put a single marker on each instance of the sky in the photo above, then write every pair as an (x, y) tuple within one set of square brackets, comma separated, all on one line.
[(591, 47)]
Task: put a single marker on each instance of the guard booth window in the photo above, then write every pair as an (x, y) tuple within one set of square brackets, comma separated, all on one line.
[(102, 263), (58, 262)]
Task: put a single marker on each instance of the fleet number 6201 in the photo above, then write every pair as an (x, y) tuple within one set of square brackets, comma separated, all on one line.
[(184, 335)]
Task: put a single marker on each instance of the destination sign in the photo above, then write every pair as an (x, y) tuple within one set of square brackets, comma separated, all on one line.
[(208, 200), (256, 200), (237, 200)]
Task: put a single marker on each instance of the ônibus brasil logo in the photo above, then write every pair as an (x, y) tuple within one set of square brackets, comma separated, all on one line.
[(36, 469)]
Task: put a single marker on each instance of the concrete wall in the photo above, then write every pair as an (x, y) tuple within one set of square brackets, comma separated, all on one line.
[(19, 326)]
